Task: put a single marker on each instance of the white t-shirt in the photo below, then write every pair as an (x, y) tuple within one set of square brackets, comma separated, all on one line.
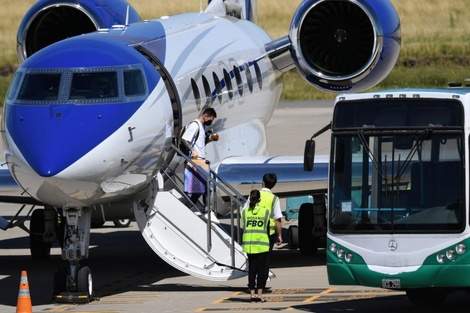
[(200, 143), (276, 212)]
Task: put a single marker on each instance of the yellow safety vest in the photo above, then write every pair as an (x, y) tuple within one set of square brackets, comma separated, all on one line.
[(255, 230), (268, 200)]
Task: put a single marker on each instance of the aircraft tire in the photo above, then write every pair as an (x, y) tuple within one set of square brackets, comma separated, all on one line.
[(97, 224), (122, 223), (306, 241), (293, 237), (85, 281), (40, 250), (60, 280)]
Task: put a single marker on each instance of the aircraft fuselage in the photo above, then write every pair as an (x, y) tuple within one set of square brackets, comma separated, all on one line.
[(89, 120)]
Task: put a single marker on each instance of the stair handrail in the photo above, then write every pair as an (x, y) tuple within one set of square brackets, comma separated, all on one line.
[(215, 181)]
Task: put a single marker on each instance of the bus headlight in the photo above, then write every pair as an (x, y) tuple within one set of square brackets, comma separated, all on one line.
[(340, 253), (348, 257), (333, 247), (441, 257), (460, 248), (450, 254)]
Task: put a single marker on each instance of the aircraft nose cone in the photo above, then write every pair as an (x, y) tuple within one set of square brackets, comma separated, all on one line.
[(51, 139), (48, 149)]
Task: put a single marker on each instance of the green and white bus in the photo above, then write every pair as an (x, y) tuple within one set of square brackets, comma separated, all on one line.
[(398, 186)]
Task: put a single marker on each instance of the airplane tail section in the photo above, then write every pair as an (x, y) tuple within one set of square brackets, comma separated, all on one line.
[(183, 239), (242, 9)]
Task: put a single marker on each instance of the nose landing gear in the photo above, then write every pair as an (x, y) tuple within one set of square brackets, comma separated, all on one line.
[(75, 283)]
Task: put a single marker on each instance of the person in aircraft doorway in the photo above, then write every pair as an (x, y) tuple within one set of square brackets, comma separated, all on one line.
[(271, 202), (195, 138)]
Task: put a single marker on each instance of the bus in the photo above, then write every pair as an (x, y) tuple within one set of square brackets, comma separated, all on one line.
[(398, 189)]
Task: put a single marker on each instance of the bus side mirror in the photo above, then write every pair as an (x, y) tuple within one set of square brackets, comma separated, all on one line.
[(309, 155)]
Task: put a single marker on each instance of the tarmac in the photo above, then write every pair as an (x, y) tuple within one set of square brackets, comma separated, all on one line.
[(129, 277)]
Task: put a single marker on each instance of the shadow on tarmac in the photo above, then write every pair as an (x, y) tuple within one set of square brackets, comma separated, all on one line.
[(120, 261)]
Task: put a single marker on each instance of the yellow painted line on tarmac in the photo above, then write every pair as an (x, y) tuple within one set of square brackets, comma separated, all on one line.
[(61, 308), (327, 291), (118, 302), (239, 309), (69, 307), (296, 295), (132, 295), (226, 298), (97, 311)]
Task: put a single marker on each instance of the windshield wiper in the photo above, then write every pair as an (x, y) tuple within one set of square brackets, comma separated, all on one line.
[(372, 158), (413, 150)]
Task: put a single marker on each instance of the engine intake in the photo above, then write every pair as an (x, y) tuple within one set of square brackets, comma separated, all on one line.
[(343, 45), (50, 21)]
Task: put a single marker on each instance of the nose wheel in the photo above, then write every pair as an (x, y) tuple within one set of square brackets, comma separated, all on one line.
[(85, 281), (78, 290)]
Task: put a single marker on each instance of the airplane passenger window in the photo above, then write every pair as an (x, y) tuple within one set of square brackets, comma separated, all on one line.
[(218, 87), (238, 79), (134, 83), (40, 87), (197, 95), (249, 78), (228, 83), (95, 85), (259, 77), (207, 89)]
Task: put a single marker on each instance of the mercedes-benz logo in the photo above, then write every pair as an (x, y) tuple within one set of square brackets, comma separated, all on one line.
[(392, 245)]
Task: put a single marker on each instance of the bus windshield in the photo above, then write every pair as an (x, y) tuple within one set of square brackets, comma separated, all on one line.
[(399, 172)]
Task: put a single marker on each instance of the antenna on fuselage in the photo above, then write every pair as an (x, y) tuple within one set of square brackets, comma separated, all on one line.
[(200, 6), (127, 16)]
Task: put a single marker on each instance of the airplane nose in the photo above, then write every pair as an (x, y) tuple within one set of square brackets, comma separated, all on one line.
[(51, 138), (49, 147)]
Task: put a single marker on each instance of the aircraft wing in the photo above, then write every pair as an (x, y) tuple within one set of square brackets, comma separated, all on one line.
[(246, 173), (10, 192)]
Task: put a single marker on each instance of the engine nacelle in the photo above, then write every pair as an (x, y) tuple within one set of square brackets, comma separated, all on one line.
[(345, 45), (50, 21)]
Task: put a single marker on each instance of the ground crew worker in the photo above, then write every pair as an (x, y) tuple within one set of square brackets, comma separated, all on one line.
[(255, 243), (271, 201)]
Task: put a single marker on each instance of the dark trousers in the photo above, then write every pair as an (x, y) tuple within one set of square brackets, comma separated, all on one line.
[(257, 270), (194, 197), (272, 241)]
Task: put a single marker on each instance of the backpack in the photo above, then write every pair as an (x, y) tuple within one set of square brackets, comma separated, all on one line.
[(182, 146)]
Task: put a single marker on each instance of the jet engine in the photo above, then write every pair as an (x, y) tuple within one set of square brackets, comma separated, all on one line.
[(344, 45), (50, 21)]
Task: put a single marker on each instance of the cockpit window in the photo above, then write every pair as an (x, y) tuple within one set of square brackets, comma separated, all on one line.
[(14, 85), (96, 85), (78, 86), (40, 87), (134, 83)]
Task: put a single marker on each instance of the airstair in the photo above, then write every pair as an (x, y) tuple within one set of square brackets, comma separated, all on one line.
[(192, 242)]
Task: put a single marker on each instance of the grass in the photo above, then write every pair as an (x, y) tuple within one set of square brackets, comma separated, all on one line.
[(435, 40)]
